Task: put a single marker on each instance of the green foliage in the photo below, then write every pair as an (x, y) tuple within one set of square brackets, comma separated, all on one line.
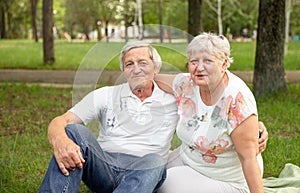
[(81, 16), (294, 18), (27, 110)]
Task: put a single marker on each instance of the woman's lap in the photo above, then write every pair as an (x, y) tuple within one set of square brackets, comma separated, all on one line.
[(185, 179)]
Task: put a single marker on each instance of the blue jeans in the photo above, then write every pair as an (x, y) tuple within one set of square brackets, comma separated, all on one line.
[(103, 171)]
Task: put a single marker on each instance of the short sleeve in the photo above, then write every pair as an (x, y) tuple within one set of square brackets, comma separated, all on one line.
[(89, 107), (239, 107)]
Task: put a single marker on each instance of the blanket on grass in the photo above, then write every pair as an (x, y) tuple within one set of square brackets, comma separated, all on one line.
[(288, 181)]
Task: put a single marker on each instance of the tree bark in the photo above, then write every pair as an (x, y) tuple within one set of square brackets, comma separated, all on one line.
[(220, 23), (33, 20), (3, 27), (269, 75), (48, 40), (161, 30), (194, 18)]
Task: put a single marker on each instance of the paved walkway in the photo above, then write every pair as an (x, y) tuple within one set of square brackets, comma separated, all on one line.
[(87, 77)]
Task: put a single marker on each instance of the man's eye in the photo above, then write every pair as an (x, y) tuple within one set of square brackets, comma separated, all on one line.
[(128, 64), (143, 63)]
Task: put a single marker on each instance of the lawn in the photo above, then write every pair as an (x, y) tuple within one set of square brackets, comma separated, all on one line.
[(91, 55), (27, 110)]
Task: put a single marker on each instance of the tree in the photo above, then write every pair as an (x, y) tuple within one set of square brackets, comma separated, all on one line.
[(139, 10), (107, 11), (194, 18), (127, 12), (160, 16), (269, 61), (294, 18), (287, 24), (218, 11), (48, 40), (33, 4), (2, 15)]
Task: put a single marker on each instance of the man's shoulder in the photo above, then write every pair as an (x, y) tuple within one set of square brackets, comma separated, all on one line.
[(112, 91)]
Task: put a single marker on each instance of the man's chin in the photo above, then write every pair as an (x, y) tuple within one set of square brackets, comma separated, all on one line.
[(139, 83)]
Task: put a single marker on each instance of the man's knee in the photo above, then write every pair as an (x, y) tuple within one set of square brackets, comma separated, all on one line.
[(153, 161), (75, 129)]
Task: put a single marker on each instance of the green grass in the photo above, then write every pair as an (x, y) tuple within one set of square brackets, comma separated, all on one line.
[(27, 110), (92, 55)]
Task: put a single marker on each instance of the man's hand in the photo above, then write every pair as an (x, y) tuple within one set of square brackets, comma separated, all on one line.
[(263, 137), (66, 152), (68, 155)]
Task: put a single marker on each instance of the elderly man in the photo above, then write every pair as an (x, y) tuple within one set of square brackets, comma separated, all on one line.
[(137, 122)]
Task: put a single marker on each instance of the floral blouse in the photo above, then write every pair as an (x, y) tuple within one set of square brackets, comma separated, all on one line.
[(205, 130)]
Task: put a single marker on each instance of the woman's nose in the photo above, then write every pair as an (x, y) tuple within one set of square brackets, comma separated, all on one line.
[(200, 66)]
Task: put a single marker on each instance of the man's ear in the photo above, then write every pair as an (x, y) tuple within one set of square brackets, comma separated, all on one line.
[(156, 69)]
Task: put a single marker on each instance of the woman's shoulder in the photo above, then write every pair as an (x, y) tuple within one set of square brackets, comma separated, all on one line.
[(238, 86), (235, 81)]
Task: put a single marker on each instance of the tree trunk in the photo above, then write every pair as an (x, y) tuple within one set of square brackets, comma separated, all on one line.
[(269, 75), (106, 31), (287, 24), (161, 30), (140, 20), (33, 20), (194, 18), (3, 27), (48, 40), (220, 25), (126, 19)]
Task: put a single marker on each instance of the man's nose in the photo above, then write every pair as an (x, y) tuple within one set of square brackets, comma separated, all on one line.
[(136, 67)]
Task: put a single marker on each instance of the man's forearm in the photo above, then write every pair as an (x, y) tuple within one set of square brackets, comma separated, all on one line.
[(56, 129)]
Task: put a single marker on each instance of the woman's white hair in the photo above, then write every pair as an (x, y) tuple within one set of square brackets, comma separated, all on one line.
[(217, 45), (154, 55)]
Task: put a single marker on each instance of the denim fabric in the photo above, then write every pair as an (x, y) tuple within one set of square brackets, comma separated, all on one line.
[(103, 171)]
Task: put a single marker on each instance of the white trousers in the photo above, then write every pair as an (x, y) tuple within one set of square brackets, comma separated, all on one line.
[(184, 179)]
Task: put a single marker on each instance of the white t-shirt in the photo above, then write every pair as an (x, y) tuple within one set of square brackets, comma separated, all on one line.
[(127, 124), (205, 130)]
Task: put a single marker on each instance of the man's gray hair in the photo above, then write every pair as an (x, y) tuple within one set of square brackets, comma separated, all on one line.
[(154, 55)]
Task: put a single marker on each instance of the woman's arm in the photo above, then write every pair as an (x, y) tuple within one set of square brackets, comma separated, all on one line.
[(245, 140), (165, 81)]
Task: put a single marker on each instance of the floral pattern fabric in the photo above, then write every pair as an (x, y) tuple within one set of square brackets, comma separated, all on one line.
[(205, 130)]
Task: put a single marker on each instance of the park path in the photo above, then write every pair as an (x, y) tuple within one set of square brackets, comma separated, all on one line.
[(68, 77)]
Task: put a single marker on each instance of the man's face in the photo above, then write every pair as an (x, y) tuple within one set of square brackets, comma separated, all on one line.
[(139, 69)]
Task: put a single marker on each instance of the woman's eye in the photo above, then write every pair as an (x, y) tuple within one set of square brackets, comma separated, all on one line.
[(208, 61), (194, 62)]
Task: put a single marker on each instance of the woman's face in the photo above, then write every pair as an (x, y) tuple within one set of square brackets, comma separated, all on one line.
[(206, 69)]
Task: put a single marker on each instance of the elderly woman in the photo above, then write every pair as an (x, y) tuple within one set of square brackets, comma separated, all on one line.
[(218, 124)]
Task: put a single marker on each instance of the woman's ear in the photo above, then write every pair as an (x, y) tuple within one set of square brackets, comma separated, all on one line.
[(224, 65)]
